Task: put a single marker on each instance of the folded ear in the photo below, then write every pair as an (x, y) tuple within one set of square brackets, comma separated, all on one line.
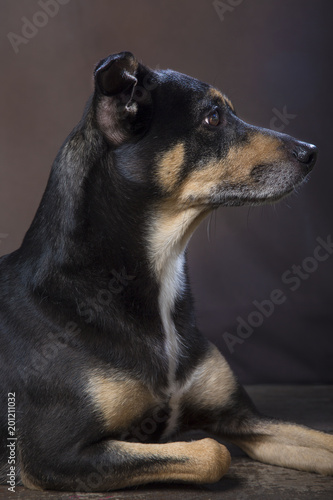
[(116, 73), (122, 97)]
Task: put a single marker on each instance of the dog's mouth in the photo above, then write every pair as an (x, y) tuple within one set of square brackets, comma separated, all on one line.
[(266, 184), (237, 197), (238, 201)]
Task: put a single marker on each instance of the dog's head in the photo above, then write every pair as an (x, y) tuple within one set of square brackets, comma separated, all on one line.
[(183, 137), (180, 141)]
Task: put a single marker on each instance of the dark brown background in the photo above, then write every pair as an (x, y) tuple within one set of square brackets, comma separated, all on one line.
[(265, 54)]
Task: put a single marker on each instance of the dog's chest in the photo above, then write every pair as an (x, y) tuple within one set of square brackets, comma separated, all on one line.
[(171, 287), (125, 402)]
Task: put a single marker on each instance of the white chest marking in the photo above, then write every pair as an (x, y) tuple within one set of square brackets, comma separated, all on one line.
[(169, 233), (172, 284)]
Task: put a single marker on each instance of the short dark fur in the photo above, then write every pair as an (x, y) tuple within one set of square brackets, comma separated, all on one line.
[(80, 299)]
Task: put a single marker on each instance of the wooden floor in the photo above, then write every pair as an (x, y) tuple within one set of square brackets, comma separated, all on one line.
[(246, 479)]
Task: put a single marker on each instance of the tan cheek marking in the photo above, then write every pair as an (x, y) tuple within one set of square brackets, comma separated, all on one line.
[(235, 168), (213, 382), (120, 402), (169, 166)]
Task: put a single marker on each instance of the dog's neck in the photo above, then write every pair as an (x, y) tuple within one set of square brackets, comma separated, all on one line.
[(170, 231)]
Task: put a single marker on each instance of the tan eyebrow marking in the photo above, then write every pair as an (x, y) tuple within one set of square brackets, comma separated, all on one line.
[(227, 100), (216, 93)]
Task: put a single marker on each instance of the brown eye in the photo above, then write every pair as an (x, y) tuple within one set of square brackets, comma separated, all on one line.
[(213, 119)]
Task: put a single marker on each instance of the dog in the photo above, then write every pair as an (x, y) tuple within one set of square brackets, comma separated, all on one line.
[(101, 361)]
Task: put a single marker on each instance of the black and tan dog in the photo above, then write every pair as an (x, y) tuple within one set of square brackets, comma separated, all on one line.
[(100, 353)]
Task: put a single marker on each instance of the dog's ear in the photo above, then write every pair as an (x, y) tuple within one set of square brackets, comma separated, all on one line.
[(123, 100), (116, 74)]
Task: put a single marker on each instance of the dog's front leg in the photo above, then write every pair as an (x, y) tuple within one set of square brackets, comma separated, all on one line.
[(289, 445), (215, 402), (111, 465)]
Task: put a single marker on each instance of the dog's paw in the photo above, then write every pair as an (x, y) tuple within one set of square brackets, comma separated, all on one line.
[(211, 459)]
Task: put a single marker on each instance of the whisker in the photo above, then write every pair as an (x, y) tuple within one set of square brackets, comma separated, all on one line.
[(208, 227)]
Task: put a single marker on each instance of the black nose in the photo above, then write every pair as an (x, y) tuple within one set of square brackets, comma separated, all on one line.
[(306, 154)]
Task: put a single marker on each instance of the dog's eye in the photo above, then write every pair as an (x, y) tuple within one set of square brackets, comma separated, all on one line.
[(213, 119)]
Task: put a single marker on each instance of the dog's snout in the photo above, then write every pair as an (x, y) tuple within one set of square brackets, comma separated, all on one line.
[(306, 154)]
